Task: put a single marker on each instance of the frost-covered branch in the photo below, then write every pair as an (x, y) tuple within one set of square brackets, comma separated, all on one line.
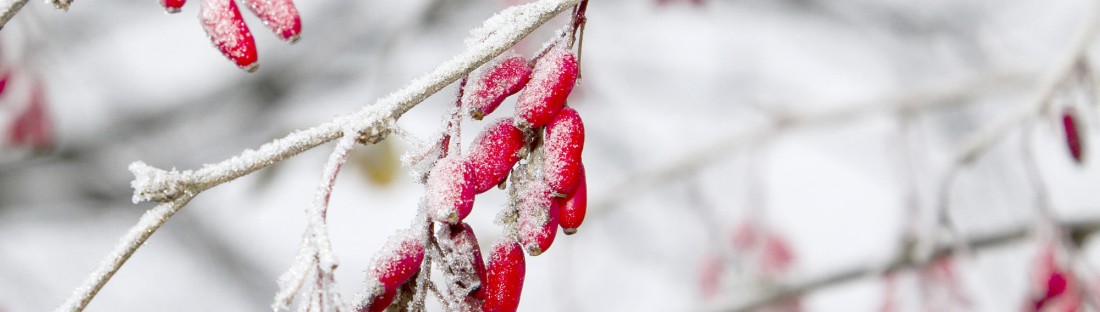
[(126, 247), (371, 124), (903, 260), (8, 8)]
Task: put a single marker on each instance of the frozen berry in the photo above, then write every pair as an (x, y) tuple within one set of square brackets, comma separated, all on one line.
[(393, 266), (564, 144), (538, 220), (493, 153), (462, 255), (551, 81), (450, 190), (504, 280), (573, 206), (172, 6), (498, 83), (223, 23), (278, 15)]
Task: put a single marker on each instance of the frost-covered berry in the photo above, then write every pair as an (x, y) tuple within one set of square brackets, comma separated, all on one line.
[(551, 81), (564, 144), (278, 15), (172, 6), (499, 82), (223, 23), (392, 266), (450, 190), (538, 220), (493, 153), (1074, 140), (462, 256), (574, 206), (504, 281)]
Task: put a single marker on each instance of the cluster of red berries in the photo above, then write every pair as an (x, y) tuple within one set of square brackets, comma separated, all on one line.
[(222, 21), (761, 252), (549, 189)]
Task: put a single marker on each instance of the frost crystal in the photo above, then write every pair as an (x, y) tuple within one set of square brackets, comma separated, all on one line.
[(152, 184)]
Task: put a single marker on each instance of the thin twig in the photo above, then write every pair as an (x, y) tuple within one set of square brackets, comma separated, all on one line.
[(900, 261), (694, 161), (8, 8), (372, 124)]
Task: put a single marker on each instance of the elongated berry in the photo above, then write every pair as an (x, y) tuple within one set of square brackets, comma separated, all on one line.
[(498, 83), (564, 144), (32, 127), (462, 256), (551, 82), (1074, 140), (504, 281), (223, 23), (450, 190), (4, 80), (278, 15), (172, 6), (574, 206), (393, 266), (493, 153), (538, 220)]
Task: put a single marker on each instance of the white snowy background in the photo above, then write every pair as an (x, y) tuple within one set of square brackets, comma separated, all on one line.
[(661, 83)]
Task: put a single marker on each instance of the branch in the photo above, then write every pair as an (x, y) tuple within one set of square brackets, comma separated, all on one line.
[(371, 124), (8, 8), (902, 260), (692, 162)]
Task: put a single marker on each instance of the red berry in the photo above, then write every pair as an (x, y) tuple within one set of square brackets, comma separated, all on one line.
[(463, 256), (279, 15), (504, 281), (223, 23), (573, 206), (1074, 141), (393, 266), (32, 126), (4, 80), (564, 144), (450, 190), (493, 153), (498, 83), (551, 81), (538, 220), (172, 6)]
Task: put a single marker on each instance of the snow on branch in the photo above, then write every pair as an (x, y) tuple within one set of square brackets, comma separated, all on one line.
[(174, 188)]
